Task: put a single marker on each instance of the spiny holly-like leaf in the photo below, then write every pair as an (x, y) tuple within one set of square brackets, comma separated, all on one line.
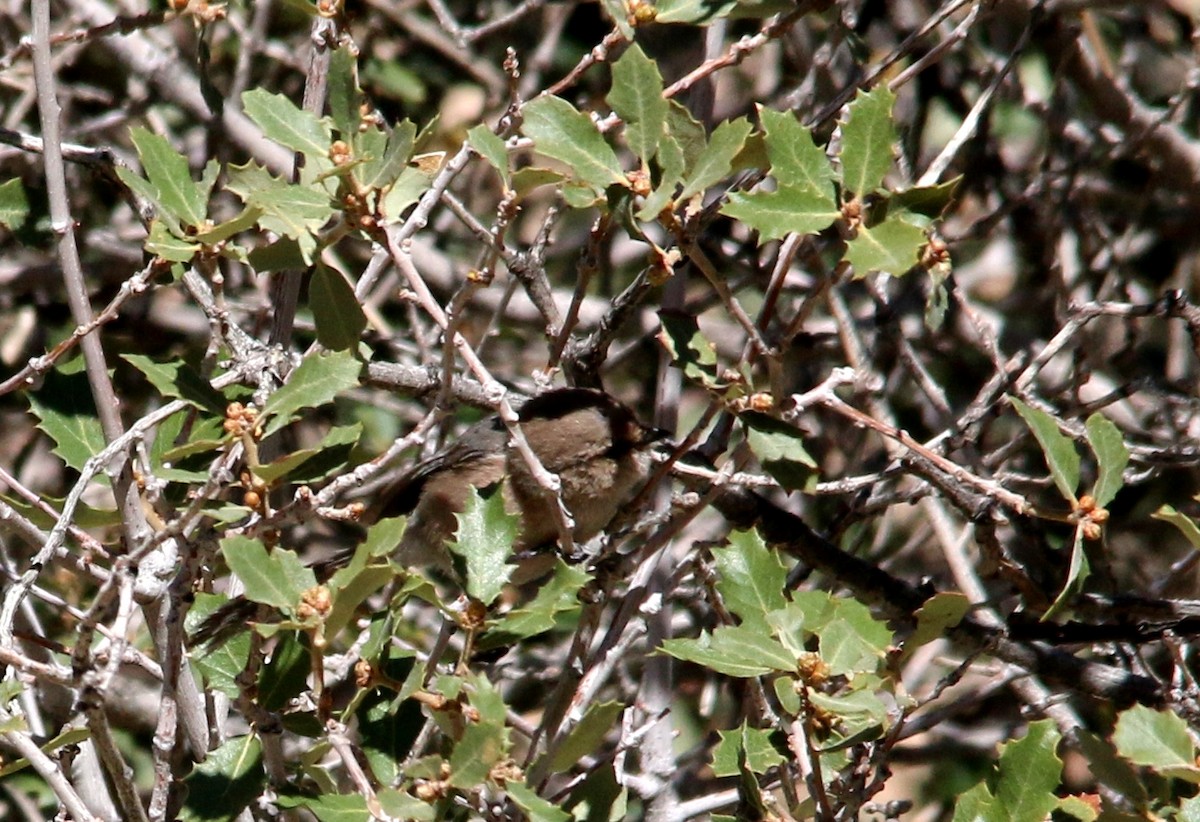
[(892, 247), (1156, 739), (294, 210), (337, 807), (754, 745), (492, 149), (485, 538), (868, 141), (853, 640), (688, 348), (636, 97), (228, 780), (1061, 456), (161, 242), (283, 122), (67, 415), (780, 448), (339, 439), (316, 381), (409, 186), (384, 155), (735, 650), (277, 578), (775, 214), (178, 380), (1112, 456), (796, 160), (339, 317), (221, 663), (1030, 771), (940, 612), (716, 161), (223, 231), (168, 173), (480, 748), (560, 131), (751, 578), (556, 598), (14, 205)]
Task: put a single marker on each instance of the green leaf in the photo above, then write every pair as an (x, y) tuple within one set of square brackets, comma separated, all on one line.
[(1030, 771), (339, 317), (775, 214), (492, 149), (67, 415), (218, 233), (285, 674), (892, 247), (929, 201), (796, 159), (344, 97), (1184, 523), (1156, 739), (688, 348), (339, 440), (162, 243), (178, 380), (556, 597), (384, 156), (1076, 808), (734, 650), (226, 782), (1108, 768), (1112, 456), (536, 809), (1059, 450), (168, 173), (485, 538), (280, 255), (352, 593), (400, 804), (277, 578), (696, 12), (292, 209), (587, 736), (220, 665), (409, 186), (853, 640), (333, 807), (780, 449), (868, 141), (940, 613), (637, 98), (1077, 574), (316, 381), (286, 124), (754, 744), (569, 136), (479, 749), (751, 578), (715, 162), (525, 180), (14, 205)]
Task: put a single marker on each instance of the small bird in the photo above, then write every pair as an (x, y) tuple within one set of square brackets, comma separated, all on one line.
[(593, 442)]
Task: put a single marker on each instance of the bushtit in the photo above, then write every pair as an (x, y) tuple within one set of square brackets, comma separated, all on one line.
[(592, 442)]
